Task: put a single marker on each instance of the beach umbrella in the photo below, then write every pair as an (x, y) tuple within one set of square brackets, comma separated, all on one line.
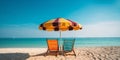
[(60, 24)]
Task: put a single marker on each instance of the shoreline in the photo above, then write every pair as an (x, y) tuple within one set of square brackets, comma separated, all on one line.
[(74, 46), (83, 53)]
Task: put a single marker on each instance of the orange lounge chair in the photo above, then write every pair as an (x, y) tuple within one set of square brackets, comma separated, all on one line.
[(53, 47)]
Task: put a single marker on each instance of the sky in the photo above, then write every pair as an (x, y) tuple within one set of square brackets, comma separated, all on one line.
[(21, 18)]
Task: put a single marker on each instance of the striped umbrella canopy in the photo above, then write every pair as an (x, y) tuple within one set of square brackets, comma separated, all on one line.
[(60, 24)]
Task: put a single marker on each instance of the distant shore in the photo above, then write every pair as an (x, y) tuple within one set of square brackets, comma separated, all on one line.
[(83, 53)]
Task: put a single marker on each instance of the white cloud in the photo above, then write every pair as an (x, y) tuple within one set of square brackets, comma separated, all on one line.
[(101, 29), (24, 30)]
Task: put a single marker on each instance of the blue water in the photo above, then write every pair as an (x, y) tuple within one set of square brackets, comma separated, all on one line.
[(41, 42)]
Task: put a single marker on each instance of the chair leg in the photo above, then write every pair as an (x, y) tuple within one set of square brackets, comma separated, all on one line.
[(56, 53), (46, 53), (64, 53), (74, 52)]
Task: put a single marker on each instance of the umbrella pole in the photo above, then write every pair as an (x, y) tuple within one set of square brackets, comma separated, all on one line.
[(60, 42), (60, 35)]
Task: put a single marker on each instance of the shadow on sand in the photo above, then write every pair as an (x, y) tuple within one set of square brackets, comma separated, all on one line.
[(41, 54), (14, 56), (46, 54)]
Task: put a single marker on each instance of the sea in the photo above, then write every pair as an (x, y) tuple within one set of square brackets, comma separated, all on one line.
[(41, 42)]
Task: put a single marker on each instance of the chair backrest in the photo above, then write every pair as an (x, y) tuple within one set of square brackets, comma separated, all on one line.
[(52, 44), (68, 45)]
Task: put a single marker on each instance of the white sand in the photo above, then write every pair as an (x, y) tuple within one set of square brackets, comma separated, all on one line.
[(88, 53)]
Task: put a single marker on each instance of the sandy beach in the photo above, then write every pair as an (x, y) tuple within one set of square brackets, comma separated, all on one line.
[(83, 53)]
